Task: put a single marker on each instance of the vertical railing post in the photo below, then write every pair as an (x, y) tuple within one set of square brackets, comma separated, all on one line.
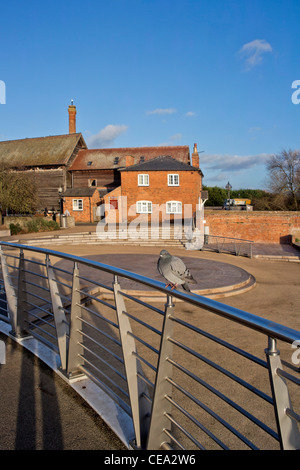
[(160, 406), (287, 427), (62, 330), (11, 296), (137, 387), (75, 351), (19, 323)]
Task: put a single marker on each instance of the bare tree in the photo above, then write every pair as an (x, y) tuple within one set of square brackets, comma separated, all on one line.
[(284, 173)]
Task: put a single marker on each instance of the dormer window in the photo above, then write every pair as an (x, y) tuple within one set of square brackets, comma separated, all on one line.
[(116, 160), (89, 163)]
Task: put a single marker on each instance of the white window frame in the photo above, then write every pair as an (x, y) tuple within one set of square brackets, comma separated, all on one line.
[(143, 207), (77, 204), (143, 179), (173, 207), (173, 179)]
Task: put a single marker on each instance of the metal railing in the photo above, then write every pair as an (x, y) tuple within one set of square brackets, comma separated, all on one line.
[(182, 384), (236, 246)]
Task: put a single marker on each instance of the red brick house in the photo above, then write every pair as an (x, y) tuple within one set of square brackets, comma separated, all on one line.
[(162, 188), (82, 203)]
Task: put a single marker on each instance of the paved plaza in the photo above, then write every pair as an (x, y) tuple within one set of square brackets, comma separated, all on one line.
[(38, 409)]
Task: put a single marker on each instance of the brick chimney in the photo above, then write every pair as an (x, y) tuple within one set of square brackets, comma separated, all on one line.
[(195, 157), (72, 118), (129, 160)]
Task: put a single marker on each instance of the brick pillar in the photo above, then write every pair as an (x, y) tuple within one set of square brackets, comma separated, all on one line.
[(72, 119)]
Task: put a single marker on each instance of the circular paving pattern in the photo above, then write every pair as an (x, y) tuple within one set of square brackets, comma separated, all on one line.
[(214, 279)]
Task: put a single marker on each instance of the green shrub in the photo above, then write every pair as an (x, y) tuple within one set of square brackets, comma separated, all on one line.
[(41, 225), (15, 228), (33, 226)]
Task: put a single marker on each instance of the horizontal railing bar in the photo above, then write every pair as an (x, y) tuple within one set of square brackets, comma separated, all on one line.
[(105, 376), (145, 379), (37, 296), (196, 422), (44, 341), (42, 320), (103, 361), (151, 307), (99, 284), (9, 255), (110, 392), (61, 270), (39, 263), (63, 284), (93, 297), (62, 296), (143, 342), (141, 322), (100, 331), (286, 375), (226, 399), (36, 285), (144, 361), (221, 369), (212, 413), (35, 274), (34, 325), (39, 307), (12, 266), (65, 309), (184, 431), (230, 238), (102, 347), (101, 317), (173, 439), (266, 326), (293, 415), (227, 345), (4, 318)]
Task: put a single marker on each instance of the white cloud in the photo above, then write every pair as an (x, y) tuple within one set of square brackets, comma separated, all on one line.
[(253, 51), (233, 163), (106, 136), (162, 111), (190, 114)]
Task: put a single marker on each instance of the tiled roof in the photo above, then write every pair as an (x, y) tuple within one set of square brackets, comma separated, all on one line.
[(116, 157), (79, 192), (40, 151), (162, 163)]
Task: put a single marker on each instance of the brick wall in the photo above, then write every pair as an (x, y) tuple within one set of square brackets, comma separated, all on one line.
[(260, 227)]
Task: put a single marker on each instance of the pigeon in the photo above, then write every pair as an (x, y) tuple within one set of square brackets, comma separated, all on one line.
[(174, 271)]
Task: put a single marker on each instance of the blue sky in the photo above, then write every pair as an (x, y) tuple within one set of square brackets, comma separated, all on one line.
[(154, 72)]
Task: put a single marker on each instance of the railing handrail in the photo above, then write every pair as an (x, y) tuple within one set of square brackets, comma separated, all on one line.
[(262, 325), (230, 238)]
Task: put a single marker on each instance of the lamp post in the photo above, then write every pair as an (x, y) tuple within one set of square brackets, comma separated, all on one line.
[(61, 205), (229, 188)]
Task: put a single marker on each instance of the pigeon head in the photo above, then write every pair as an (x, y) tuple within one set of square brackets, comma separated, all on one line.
[(164, 254)]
